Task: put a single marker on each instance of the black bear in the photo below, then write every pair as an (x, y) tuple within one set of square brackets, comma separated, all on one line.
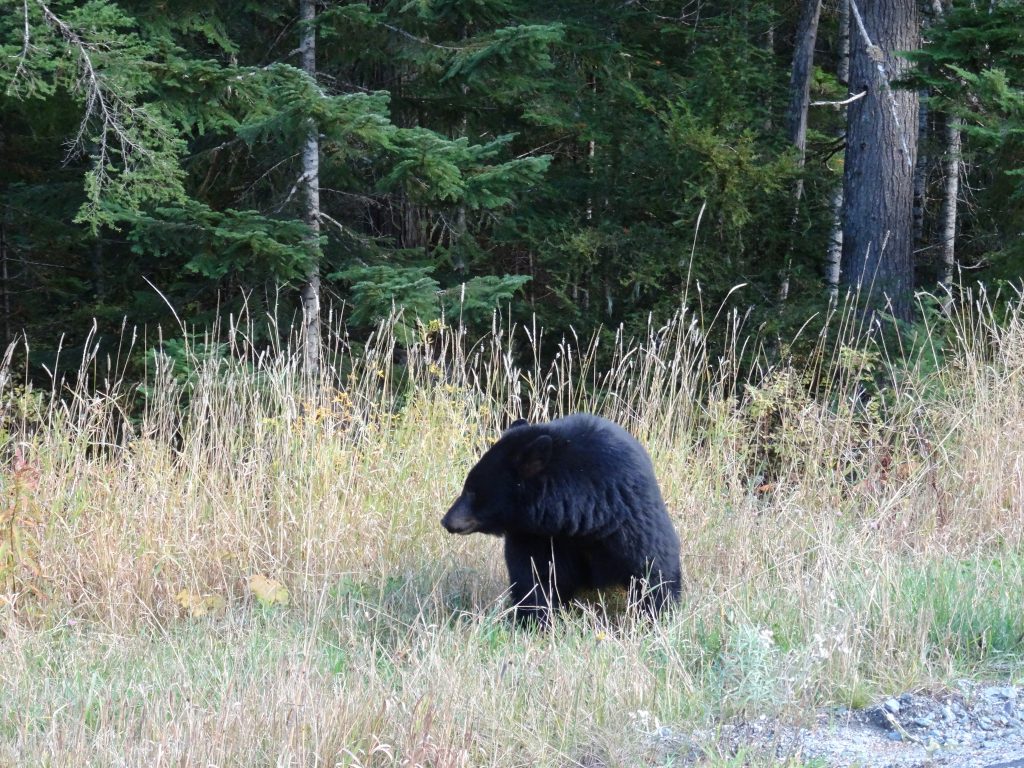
[(578, 504)]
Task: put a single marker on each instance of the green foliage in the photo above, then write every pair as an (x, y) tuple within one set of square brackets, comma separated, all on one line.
[(416, 297), (186, 132), (179, 360), (474, 301), (602, 161), (967, 602), (973, 68), (93, 53), (379, 292), (433, 170), (725, 169), (224, 242), (522, 49)]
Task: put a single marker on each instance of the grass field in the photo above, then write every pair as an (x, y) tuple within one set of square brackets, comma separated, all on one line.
[(253, 573)]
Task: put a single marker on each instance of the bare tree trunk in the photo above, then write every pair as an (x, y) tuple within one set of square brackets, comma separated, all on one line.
[(921, 171), (881, 149), (950, 193), (591, 154), (834, 256), (843, 65), (4, 275), (459, 230), (800, 78), (99, 286), (310, 292), (930, 12), (796, 119)]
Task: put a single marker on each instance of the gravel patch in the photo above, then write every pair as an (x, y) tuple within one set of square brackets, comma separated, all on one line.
[(970, 726)]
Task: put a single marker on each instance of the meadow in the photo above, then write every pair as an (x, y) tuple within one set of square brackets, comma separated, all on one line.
[(236, 564)]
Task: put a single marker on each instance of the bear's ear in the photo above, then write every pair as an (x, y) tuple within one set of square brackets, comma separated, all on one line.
[(517, 424), (534, 457)]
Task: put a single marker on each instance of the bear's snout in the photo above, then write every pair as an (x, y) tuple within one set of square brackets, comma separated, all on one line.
[(459, 519)]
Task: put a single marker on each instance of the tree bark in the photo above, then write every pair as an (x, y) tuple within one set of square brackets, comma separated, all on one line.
[(950, 194), (921, 170), (834, 256), (881, 149), (310, 181), (800, 78), (843, 64), (5, 278), (796, 118)]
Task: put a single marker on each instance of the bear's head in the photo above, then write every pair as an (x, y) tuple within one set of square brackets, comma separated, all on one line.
[(497, 487)]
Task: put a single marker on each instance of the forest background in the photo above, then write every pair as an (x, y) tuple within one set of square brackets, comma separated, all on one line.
[(587, 164), (209, 556)]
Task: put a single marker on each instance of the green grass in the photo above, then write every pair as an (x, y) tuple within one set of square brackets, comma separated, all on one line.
[(835, 549)]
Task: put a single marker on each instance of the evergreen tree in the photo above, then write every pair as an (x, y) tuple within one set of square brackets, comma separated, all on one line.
[(973, 67), (590, 163), (189, 140)]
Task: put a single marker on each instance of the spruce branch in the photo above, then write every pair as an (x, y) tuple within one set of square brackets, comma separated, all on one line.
[(421, 40), (128, 144), (100, 101)]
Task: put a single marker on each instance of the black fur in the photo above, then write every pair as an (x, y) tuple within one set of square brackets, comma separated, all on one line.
[(578, 504)]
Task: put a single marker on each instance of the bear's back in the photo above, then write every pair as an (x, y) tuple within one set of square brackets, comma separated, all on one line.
[(597, 444)]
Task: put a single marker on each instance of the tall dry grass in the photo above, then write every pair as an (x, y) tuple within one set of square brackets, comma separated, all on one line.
[(840, 540)]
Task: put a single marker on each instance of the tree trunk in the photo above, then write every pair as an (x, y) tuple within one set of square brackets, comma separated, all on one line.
[(950, 193), (800, 78), (834, 256), (881, 148), (843, 64), (99, 286), (796, 119), (921, 171), (310, 180), (5, 277)]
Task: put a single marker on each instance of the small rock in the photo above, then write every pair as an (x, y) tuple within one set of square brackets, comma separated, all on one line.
[(892, 705), (894, 736), (1008, 693), (922, 722), (947, 713)]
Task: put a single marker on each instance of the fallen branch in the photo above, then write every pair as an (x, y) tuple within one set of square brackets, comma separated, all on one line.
[(838, 104)]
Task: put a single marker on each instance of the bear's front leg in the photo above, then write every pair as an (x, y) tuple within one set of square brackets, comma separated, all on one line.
[(539, 580)]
